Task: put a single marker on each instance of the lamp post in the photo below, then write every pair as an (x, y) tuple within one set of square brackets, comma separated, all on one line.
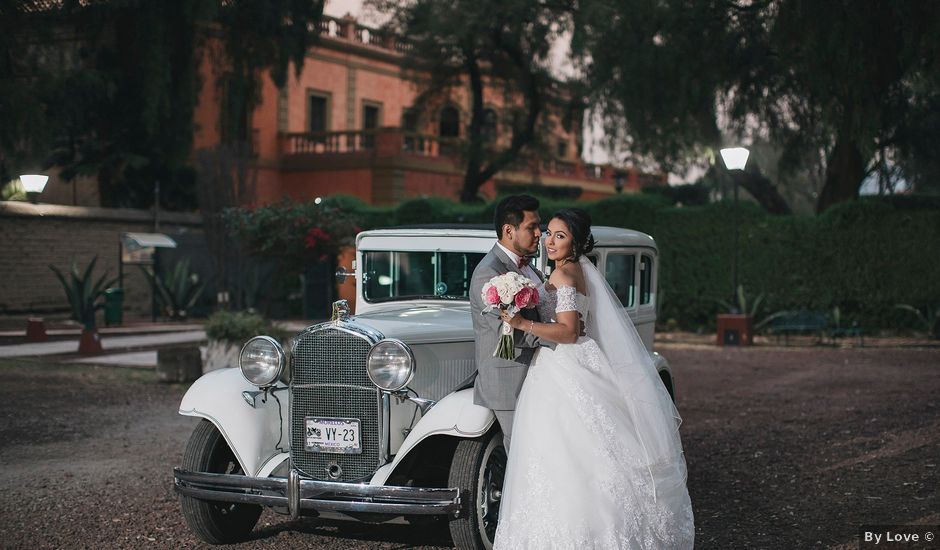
[(33, 184), (735, 158)]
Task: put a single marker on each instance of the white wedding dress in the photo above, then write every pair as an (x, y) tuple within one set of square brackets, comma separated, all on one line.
[(596, 460)]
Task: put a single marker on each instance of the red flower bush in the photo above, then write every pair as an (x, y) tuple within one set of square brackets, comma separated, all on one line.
[(316, 237)]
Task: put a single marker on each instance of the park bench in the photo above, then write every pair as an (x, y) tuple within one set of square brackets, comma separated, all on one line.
[(799, 322), (803, 321)]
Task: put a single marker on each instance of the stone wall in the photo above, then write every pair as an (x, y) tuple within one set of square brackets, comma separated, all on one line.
[(34, 236)]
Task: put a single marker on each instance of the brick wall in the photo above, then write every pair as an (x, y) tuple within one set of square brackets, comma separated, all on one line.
[(34, 236)]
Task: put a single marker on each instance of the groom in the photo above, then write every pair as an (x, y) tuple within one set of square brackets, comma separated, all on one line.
[(499, 380)]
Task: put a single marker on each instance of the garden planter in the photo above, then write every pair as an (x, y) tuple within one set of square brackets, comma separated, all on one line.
[(179, 364), (221, 354), (735, 330), (90, 343)]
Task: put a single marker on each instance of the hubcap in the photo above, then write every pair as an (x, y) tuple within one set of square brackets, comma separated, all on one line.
[(492, 475)]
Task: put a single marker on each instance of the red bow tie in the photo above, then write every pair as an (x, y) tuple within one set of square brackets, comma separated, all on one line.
[(523, 261)]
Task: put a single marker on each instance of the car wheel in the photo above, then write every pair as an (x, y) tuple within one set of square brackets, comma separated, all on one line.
[(215, 522), (478, 470)]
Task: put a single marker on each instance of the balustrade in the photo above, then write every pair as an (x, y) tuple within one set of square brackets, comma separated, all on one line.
[(392, 141), (328, 142), (341, 28)]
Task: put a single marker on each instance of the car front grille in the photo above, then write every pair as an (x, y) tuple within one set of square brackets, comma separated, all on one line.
[(329, 380)]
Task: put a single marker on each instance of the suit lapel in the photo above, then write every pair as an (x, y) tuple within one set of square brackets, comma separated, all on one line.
[(510, 265)]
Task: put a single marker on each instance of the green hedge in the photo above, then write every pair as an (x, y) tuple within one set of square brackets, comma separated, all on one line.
[(863, 256)]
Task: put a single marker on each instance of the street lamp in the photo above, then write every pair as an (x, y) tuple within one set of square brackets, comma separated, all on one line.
[(735, 158), (33, 184)]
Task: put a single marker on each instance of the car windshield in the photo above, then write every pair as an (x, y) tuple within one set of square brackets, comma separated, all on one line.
[(395, 275)]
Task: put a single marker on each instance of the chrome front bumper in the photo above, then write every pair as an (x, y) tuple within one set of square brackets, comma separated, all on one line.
[(297, 494)]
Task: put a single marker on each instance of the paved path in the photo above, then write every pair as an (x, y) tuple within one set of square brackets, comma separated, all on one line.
[(109, 343)]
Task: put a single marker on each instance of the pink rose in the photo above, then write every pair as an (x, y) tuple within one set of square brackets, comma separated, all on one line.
[(492, 296), (527, 297)]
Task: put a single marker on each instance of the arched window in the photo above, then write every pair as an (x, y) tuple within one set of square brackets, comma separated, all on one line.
[(450, 122)]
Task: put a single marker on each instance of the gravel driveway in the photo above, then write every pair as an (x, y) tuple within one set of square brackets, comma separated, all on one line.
[(787, 448)]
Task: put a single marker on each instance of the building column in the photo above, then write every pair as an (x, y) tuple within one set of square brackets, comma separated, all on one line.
[(351, 98)]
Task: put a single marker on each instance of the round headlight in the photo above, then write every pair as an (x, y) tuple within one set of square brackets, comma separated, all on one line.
[(390, 365), (261, 360)]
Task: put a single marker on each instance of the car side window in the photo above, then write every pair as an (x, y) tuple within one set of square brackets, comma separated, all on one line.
[(646, 279), (620, 272)]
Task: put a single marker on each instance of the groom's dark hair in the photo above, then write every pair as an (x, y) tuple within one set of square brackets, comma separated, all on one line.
[(512, 210)]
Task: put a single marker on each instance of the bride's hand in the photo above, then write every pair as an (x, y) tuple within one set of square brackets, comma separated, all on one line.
[(515, 321)]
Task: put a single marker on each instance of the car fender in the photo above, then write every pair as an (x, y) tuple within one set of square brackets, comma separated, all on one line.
[(662, 366), (253, 432), (661, 363), (455, 415)]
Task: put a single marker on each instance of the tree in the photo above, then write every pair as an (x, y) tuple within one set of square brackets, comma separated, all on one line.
[(837, 80), (259, 37), (104, 89), (254, 39), (490, 46), (109, 88)]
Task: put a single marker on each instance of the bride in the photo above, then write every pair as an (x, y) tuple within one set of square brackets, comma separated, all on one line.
[(596, 460)]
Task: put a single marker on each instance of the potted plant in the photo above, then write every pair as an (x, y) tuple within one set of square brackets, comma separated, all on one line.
[(736, 328), (83, 294)]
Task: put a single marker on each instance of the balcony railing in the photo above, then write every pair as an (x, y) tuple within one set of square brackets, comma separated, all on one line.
[(386, 142), (342, 28), (427, 145), (327, 142)]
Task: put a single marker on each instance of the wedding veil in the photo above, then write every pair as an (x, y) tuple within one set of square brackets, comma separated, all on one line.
[(655, 417)]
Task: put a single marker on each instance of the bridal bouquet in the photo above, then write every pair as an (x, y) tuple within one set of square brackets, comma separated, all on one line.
[(511, 292)]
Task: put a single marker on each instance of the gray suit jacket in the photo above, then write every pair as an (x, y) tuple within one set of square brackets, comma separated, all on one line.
[(498, 380)]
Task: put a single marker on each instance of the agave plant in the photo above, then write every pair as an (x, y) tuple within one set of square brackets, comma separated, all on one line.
[(741, 303), (179, 289), (83, 292), (928, 316)]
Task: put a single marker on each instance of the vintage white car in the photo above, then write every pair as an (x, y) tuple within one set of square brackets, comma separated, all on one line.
[(371, 416)]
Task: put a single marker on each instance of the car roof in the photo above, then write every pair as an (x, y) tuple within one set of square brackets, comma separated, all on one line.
[(603, 235)]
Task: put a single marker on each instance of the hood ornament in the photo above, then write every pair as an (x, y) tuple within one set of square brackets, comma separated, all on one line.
[(340, 311)]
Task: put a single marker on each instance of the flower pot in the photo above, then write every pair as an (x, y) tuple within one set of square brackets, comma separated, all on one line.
[(90, 343), (735, 330), (36, 330), (221, 354)]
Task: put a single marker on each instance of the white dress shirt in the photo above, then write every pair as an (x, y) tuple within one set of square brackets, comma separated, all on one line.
[(526, 270)]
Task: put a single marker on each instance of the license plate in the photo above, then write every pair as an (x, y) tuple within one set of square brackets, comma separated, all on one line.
[(332, 435)]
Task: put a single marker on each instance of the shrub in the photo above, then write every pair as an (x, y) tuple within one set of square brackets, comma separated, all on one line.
[(862, 256), (238, 327)]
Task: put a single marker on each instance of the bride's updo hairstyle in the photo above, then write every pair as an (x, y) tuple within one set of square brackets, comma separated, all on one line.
[(579, 225)]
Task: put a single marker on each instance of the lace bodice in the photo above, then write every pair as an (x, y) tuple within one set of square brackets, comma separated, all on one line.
[(564, 298)]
